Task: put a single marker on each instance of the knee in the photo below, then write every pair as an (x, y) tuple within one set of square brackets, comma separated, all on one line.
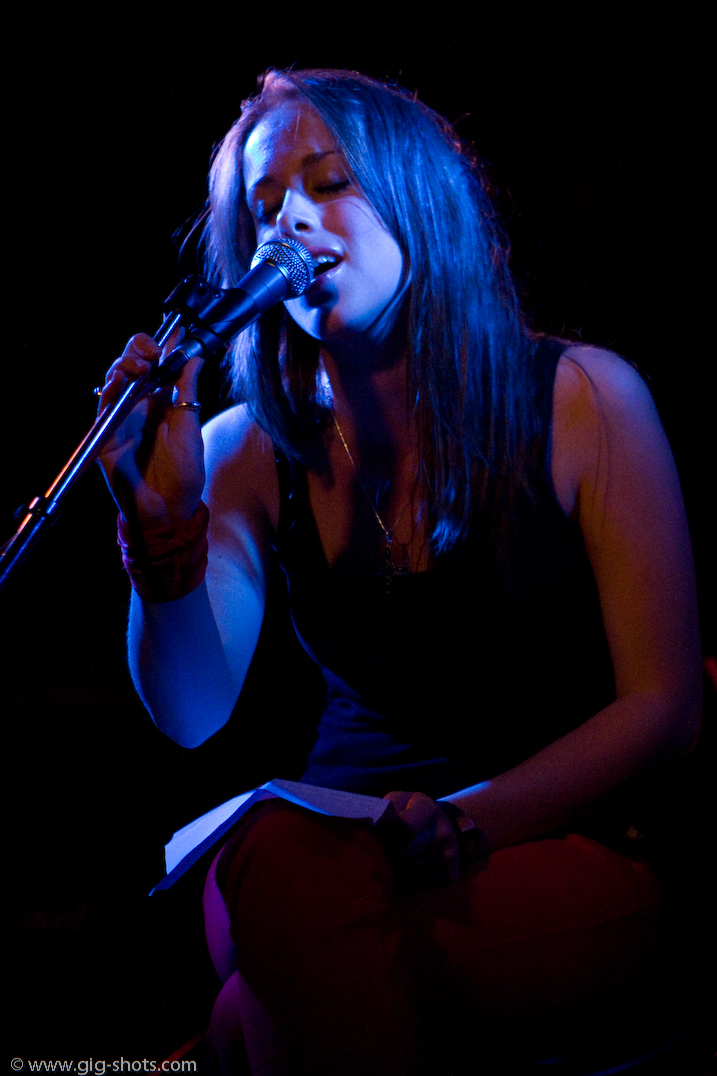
[(225, 1034), (217, 926), (289, 866)]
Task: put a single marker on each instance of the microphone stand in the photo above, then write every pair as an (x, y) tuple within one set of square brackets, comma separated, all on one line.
[(185, 306)]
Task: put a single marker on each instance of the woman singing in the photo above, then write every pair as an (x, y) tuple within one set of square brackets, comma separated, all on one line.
[(486, 552)]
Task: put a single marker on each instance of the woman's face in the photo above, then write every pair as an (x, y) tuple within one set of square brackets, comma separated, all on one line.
[(297, 186)]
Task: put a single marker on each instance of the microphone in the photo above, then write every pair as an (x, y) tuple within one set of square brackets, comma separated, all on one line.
[(281, 269)]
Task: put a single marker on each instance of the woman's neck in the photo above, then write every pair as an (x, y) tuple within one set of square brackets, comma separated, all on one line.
[(370, 401)]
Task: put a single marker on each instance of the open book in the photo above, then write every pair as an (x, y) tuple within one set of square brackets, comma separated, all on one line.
[(191, 842)]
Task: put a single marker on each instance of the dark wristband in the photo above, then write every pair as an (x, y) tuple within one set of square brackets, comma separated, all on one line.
[(165, 562), (466, 831)]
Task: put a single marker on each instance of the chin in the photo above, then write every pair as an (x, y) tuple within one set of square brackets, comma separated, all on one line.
[(333, 324), (327, 321), (327, 325)]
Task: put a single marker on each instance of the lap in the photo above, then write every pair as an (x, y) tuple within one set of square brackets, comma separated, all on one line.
[(329, 870), (552, 926)]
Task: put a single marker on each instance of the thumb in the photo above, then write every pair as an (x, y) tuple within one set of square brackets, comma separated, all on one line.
[(399, 800)]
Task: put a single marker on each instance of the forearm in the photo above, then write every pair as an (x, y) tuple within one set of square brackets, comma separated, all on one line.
[(180, 668), (636, 735)]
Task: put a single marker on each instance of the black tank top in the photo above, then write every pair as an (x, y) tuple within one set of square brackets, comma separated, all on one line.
[(456, 674)]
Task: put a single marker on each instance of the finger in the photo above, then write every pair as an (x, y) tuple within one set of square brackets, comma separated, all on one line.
[(440, 858), (128, 367), (120, 373), (398, 799), (136, 359), (440, 854), (428, 846), (186, 387), (142, 346), (173, 340), (422, 813)]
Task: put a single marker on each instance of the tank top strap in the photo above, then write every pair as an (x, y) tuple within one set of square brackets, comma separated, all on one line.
[(546, 356), (298, 544), (287, 501), (547, 352), (297, 535)]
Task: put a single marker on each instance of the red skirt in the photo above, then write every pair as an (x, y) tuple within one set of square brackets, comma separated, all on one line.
[(329, 971)]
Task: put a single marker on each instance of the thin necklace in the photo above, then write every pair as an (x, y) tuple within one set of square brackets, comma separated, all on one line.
[(389, 569)]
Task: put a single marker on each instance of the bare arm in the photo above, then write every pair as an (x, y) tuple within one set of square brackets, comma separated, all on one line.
[(614, 472), (189, 657), (613, 467)]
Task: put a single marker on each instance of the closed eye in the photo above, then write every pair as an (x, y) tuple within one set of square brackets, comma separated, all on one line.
[(265, 214), (334, 188)]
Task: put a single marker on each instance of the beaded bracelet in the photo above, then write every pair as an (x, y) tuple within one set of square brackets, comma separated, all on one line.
[(165, 563)]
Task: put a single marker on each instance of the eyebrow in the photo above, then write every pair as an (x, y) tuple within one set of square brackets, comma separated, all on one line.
[(306, 162)]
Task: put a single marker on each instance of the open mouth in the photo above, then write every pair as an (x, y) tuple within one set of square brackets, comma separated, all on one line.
[(324, 262)]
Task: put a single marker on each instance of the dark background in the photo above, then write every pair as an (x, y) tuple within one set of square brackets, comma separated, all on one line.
[(595, 126)]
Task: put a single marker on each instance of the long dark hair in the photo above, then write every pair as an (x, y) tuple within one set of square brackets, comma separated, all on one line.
[(470, 371)]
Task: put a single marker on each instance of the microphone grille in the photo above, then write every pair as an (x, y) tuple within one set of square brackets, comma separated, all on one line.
[(293, 257)]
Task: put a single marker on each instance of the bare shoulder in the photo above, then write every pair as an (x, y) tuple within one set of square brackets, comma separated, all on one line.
[(230, 435), (614, 470), (602, 410), (240, 466), (594, 377)]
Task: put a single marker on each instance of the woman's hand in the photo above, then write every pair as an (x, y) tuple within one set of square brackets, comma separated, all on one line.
[(432, 858), (154, 463)]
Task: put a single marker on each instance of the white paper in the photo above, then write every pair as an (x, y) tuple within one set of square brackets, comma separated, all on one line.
[(191, 842)]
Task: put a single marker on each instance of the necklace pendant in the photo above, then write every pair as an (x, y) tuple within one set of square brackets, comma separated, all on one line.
[(390, 569), (401, 561)]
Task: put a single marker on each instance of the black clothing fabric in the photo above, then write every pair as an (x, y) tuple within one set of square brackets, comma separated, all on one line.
[(463, 670)]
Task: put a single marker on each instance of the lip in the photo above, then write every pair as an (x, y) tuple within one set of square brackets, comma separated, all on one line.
[(318, 252)]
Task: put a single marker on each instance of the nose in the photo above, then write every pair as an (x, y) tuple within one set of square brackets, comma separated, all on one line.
[(297, 214)]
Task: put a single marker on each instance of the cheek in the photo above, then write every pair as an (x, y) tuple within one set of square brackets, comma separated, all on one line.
[(382, 256), (385, 268), (391, 263)]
